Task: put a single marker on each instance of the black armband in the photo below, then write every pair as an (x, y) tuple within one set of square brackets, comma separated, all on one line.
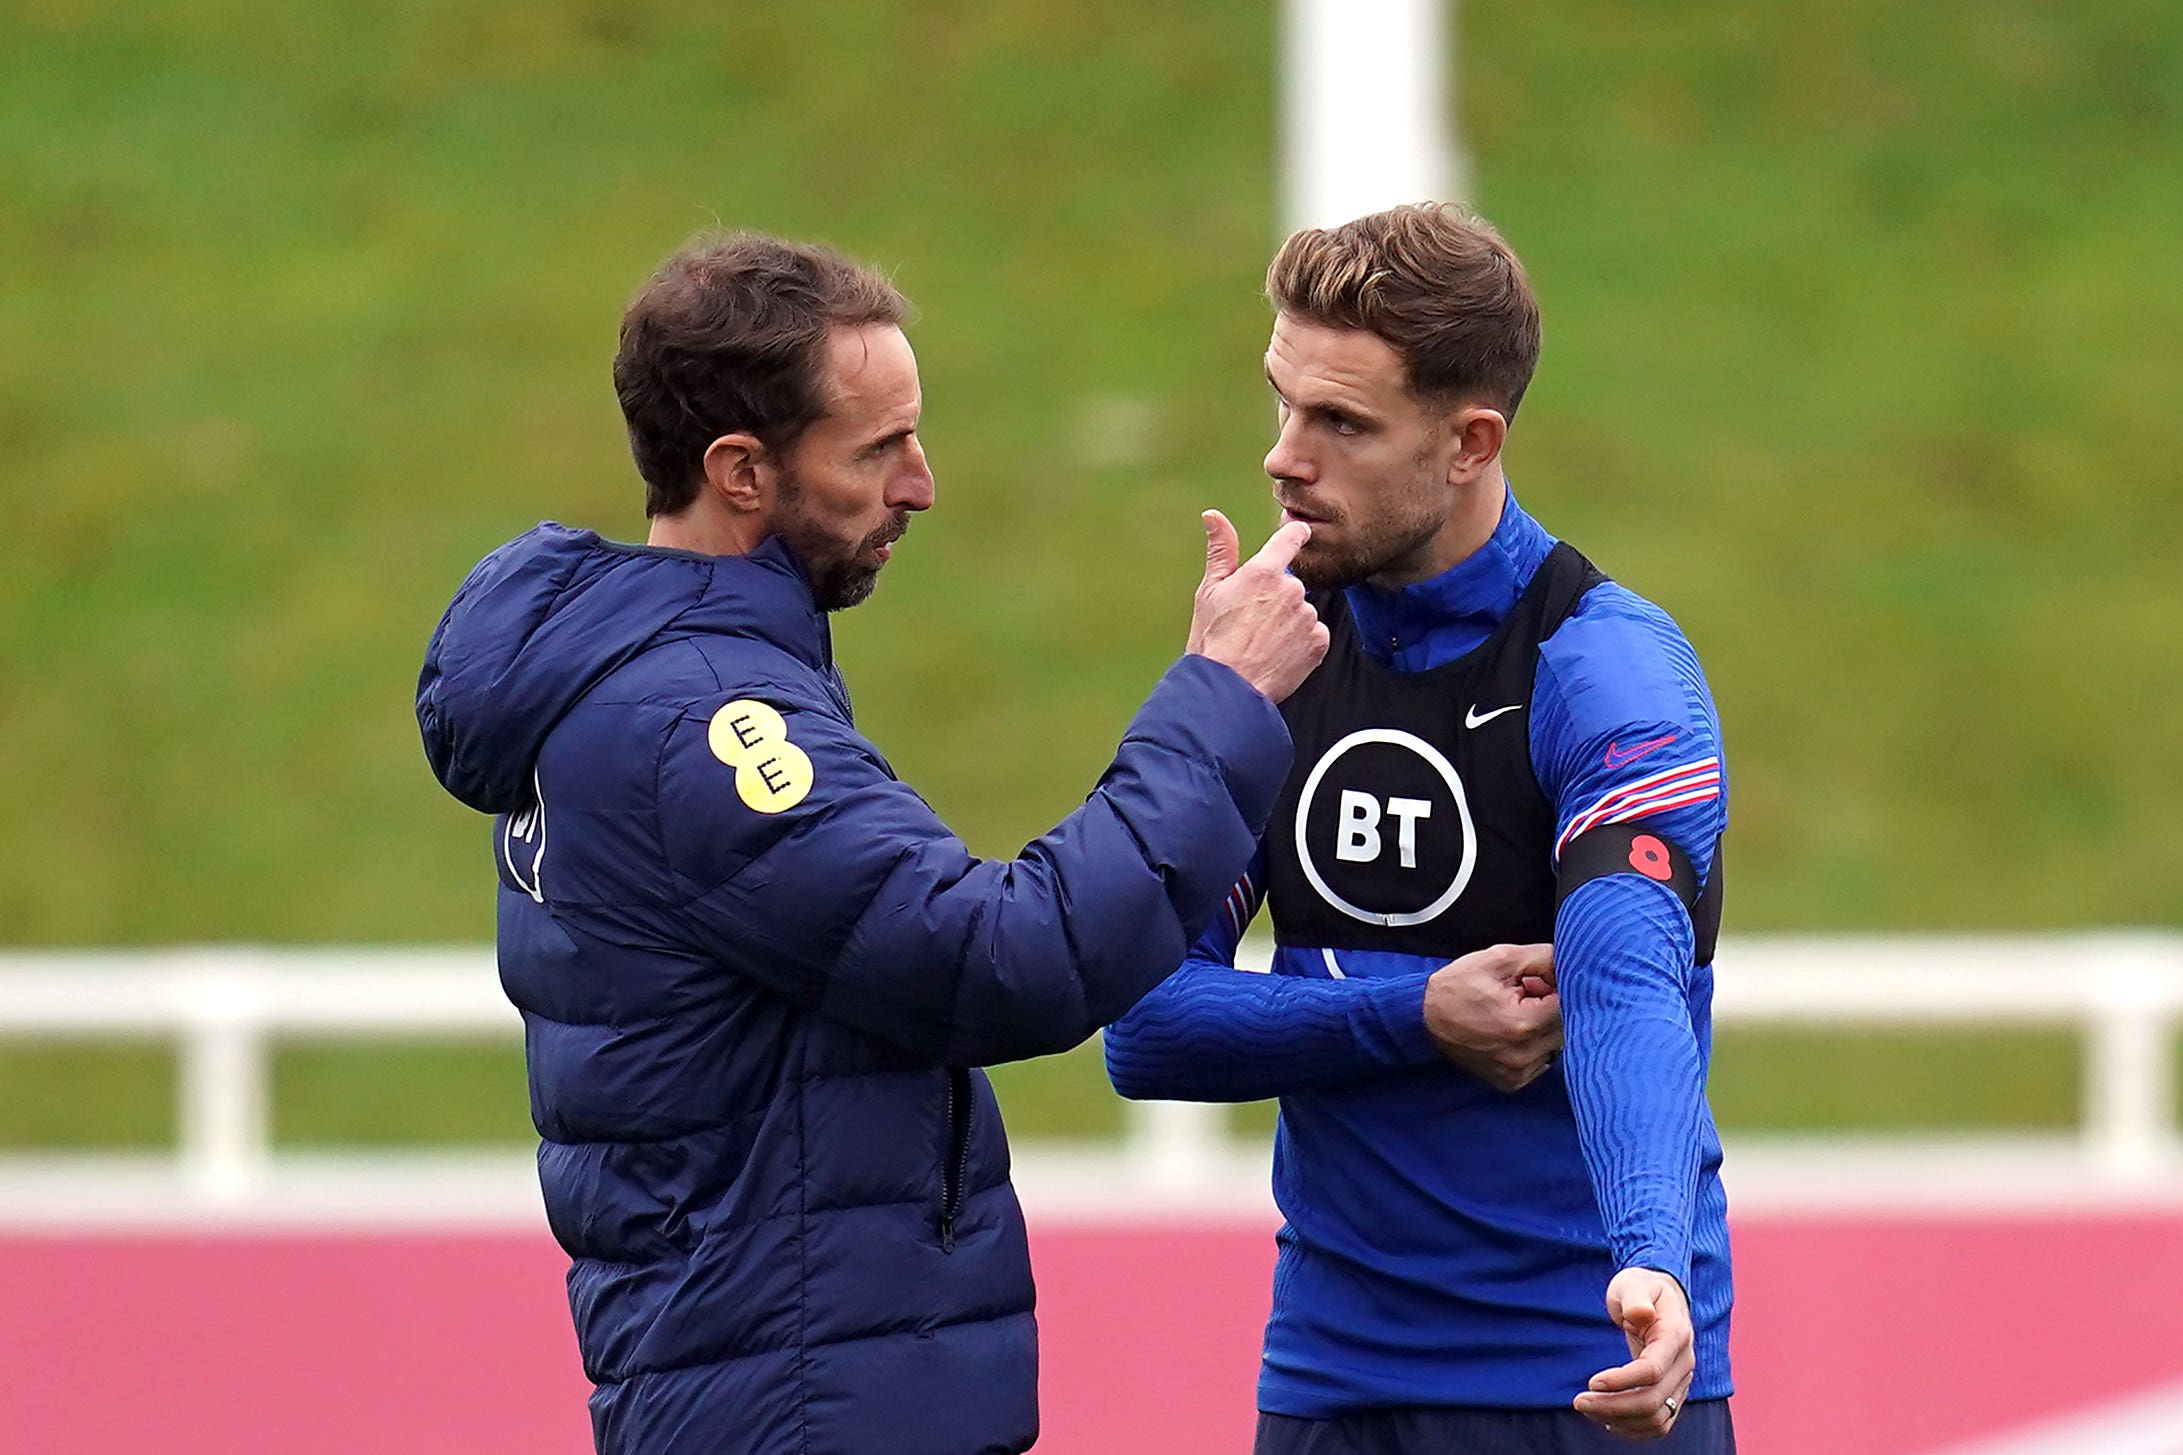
[(1631, 848)]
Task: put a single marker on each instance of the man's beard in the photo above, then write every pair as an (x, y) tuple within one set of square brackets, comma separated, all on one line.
[(1375, 545), (1367, 553), (842, 575)]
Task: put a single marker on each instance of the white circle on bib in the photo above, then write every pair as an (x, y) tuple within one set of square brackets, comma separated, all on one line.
[(1393, 737)]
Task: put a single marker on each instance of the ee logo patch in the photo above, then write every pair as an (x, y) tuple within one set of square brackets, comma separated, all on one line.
[(772, 774)]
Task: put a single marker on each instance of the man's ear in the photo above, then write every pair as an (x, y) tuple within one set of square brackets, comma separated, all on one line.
[(1479, 432), (739, 472)]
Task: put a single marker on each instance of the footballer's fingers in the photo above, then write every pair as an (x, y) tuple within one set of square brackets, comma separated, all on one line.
[(1650, 1309), (1633, 1399), (1531, 1039), (1634, 1417), (1535, 1024), (1536, 1016), (1642, 1414), (1533, 963), (1641, 1411), (1514, 964), (1644, 1373)]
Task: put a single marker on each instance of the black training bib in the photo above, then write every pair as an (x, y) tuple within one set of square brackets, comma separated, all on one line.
[(1412, 820)]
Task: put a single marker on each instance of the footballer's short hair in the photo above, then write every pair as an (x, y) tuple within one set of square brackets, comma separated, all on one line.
[(729, 336), (1435, 282)]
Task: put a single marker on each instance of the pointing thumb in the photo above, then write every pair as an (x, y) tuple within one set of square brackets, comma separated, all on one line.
[(1222, 550)]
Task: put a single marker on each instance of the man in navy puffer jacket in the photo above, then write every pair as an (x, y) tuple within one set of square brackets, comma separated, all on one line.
[(756, 972)]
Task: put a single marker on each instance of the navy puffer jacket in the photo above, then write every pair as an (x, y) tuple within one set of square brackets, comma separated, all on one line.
[(756, 972)]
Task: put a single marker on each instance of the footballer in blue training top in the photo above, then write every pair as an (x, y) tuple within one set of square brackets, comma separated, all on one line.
[(1502, 746)]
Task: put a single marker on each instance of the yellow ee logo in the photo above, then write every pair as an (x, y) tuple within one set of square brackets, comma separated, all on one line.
[(771, 773)]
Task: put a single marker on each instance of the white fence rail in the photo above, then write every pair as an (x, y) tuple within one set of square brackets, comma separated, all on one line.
[(226, 1007)]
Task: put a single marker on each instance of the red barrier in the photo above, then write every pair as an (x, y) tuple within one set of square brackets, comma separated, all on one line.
[(1876, 1336)]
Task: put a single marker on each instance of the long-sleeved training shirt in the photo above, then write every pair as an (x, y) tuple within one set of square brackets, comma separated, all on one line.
[(1446, 1244)]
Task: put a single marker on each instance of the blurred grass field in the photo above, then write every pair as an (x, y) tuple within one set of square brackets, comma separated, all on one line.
[(1860, 359)]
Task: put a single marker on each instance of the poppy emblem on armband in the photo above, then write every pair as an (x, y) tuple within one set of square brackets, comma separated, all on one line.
[(1649, 857), (772, 774)]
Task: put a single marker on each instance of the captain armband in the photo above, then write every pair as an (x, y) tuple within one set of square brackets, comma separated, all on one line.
[(1632, 848)]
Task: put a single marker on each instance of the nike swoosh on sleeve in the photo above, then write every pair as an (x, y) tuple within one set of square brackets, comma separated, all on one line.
[(1617, 755)]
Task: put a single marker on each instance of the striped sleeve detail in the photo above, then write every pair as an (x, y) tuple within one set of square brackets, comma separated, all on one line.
[(1241, 906), (1655, 793)]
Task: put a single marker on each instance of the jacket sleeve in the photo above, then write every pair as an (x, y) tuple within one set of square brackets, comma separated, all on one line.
[(1211, 1032), (1625, 730), (809, 868)]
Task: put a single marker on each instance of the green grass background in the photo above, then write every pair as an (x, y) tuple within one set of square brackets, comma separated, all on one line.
[(1861, 358)]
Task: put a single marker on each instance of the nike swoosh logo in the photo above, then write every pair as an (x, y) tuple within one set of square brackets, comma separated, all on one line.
[(1617, 755), (1474, 718)]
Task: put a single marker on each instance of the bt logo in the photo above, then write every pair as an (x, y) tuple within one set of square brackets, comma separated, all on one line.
[(1383, 829), (1357, 839)]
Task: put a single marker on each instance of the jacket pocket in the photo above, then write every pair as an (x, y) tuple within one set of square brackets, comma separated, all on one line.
[(954, 1153)]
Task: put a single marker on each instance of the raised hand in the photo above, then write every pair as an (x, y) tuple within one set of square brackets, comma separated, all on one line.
[(1252, 616)]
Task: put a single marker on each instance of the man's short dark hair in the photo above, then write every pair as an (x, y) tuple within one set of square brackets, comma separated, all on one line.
[(1433, 280), (728, 337)]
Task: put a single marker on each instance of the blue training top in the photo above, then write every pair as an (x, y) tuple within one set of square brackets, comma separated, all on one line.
[(1446, 1244)]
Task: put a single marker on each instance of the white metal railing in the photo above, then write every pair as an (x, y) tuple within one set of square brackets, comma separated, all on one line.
[(224, 1007)]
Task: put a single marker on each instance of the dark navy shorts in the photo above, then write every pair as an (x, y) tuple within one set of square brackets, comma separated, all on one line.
[(1703, 1428)]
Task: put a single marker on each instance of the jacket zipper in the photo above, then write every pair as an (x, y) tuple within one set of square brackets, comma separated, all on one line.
[(956, 1170)]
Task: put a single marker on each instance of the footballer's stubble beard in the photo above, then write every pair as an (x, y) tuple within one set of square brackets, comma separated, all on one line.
[(1346, 550)]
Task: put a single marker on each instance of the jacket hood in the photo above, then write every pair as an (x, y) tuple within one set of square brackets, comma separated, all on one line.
[(543, 619)]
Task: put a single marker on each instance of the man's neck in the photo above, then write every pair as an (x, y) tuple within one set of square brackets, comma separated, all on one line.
[(707, 533), (1469, 526)]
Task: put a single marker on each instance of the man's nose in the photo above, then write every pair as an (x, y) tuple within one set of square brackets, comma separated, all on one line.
[(913, 488), (1286, 461)]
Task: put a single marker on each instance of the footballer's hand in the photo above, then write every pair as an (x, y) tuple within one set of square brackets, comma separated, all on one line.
[(1251, 615), (1640, 1400), (1495, 1014)]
